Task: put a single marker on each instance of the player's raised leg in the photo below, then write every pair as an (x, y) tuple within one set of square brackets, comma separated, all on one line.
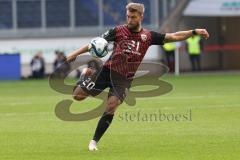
[(78, 93)]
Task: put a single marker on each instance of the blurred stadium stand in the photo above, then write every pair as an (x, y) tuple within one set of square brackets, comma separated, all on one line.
[(86, 13), (38, 18), (6, 15), (41, 20), (57, 13), (29, 14)]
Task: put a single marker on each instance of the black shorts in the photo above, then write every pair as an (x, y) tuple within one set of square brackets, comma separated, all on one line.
[(95, 84)]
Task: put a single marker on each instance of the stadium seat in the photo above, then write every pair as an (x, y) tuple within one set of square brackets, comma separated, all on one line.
[(5, 14)]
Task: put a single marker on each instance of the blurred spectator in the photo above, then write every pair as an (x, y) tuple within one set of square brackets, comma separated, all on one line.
[(194, 49), (78, 73), (38, 66), (60, 58), (169, 50), (93, 67), (59, 65)]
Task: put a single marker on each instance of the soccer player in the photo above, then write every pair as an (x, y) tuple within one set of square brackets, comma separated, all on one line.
[(131, 42)]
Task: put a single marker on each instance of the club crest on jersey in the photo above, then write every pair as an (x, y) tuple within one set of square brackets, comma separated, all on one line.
[(144, 37)]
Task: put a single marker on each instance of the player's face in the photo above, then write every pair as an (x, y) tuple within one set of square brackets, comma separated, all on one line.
[(134, 20)]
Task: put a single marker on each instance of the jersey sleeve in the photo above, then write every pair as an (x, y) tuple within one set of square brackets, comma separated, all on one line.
[(110, 35), (157, 38)]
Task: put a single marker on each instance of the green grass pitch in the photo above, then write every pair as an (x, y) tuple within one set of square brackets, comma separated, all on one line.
[(29, 128)]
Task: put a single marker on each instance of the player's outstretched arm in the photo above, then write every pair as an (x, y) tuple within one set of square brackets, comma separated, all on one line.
[(183, 35), (72, 56)]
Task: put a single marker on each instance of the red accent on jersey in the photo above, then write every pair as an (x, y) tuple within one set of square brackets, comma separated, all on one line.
[(129, 50)]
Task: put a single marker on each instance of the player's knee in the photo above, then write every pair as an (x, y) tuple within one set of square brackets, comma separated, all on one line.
[(78, 94), (79, 97), (112, 105)]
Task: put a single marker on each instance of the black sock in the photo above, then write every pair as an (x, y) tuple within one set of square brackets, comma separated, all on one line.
[(102, 126)]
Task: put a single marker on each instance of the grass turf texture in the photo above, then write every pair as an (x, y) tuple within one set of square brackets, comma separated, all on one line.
[(29, 128)]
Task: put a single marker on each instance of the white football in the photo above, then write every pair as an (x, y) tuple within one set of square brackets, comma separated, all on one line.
[(98, 47)]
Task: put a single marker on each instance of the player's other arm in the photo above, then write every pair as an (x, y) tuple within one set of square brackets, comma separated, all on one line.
[(183, 35), (109, 36), (72, 56)]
